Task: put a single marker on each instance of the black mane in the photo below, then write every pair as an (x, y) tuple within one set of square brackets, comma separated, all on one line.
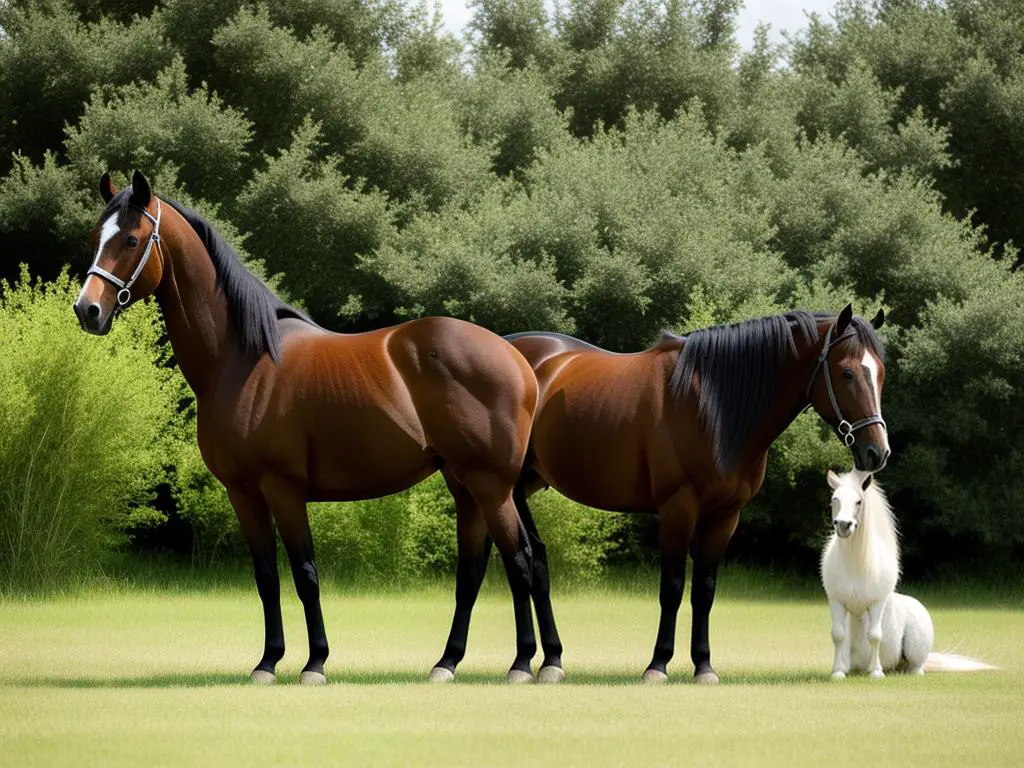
[(252, 307), (738, 366)]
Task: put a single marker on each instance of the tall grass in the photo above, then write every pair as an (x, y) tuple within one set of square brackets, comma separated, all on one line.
[(85, 425)]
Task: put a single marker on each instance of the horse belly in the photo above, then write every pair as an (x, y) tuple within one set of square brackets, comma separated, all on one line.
[(359, 456), (601, 469)]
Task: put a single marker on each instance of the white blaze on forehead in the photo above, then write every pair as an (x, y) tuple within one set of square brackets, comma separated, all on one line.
[(869, 363), (107, 231)]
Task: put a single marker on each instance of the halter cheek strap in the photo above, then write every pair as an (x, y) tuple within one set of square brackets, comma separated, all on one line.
[(844, 429), (124, 294)]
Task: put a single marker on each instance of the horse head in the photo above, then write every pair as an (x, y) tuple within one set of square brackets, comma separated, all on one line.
[(847, 500), (846, 388), (128, 265)]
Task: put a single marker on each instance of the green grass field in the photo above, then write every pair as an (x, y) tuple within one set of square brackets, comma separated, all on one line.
[(158, 677)]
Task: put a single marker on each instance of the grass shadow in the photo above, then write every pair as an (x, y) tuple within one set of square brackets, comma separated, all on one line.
[(614, 678)]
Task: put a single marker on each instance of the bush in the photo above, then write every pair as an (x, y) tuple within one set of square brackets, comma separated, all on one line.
[(160, 125), (580, 541), (45, 218), (313, 226), (83, 434), (50, 62)]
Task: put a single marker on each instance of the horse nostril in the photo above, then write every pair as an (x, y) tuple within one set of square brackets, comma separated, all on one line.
[(93, 311), (872, 457)]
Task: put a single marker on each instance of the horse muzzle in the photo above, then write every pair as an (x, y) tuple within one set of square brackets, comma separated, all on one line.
[(844, 528), (869, 457), (92, 318)]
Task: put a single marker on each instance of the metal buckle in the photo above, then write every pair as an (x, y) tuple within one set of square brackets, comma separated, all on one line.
[(123, 297), (845, 430)]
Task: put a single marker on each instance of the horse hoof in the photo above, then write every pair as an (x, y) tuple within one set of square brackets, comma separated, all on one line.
[(550, 675), (441, 675), (262, 677), (838, 675), (877, 674), (519, 677), (312, 678), (706, 678), (655, 677)]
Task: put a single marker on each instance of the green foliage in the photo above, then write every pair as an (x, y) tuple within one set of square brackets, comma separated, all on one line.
[(298, 200), (84, 433), (511, 113), (50, 62), (44, 213), (618, 170), (961, 403), (580, 541), (155, 125)]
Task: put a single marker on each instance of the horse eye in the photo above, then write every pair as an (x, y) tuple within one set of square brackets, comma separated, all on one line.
[(847, 374), (133, 241)]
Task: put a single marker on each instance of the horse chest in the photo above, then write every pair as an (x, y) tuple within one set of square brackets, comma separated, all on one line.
[(858, 578)]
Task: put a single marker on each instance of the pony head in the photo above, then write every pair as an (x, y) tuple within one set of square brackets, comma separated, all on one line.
[(848, 500), (128, 265), (846, 388)]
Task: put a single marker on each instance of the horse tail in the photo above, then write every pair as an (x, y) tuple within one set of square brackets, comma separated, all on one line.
[(954, 662)]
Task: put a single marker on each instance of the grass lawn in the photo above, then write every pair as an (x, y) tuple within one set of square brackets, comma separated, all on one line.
[(158, 677)]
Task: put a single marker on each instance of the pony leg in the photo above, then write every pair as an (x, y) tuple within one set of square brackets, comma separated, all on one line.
[(258, 531), (875, 638), (551, 670), (709, 546), (840, 639), (293, 524), (494, 499), (674, 532), (474, 553)]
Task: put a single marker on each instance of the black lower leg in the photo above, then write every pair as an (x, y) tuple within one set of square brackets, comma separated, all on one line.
[(469, 575), (269, 588), (519, 569), (702, 596), (541, 586), (307, 585), (673, 576)]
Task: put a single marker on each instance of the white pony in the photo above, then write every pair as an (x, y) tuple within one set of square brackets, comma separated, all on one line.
[(874, 628)]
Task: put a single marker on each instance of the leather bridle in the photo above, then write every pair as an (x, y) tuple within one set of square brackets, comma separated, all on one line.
[(124, 293)]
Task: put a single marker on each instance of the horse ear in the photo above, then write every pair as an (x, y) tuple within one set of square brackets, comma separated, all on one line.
[(107, 190), (141, 193), (833, 480), (878, 320), (843, 321), (867, 482)]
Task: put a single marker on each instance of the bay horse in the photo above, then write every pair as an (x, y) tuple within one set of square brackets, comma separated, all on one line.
[(289, 413), (682, 430)]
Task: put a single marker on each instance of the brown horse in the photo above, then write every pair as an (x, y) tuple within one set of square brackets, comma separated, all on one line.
[(290, 413), (682, 430)]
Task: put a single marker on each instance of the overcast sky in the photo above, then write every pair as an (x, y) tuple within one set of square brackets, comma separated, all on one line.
[(781, 14)]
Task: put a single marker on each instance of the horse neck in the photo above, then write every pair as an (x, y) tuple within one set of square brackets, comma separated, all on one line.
[(196, 313)]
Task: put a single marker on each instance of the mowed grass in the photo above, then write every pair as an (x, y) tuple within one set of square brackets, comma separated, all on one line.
[(159, 678)]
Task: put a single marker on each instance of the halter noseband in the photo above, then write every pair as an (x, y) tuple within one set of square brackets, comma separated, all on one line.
[(844, 429), (124, 293)]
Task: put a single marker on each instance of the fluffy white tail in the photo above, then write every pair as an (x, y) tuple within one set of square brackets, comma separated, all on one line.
[(954, 662)]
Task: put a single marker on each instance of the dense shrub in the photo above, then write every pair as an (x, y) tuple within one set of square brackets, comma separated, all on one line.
[(616, 170), (83, 433), (163, 124)]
